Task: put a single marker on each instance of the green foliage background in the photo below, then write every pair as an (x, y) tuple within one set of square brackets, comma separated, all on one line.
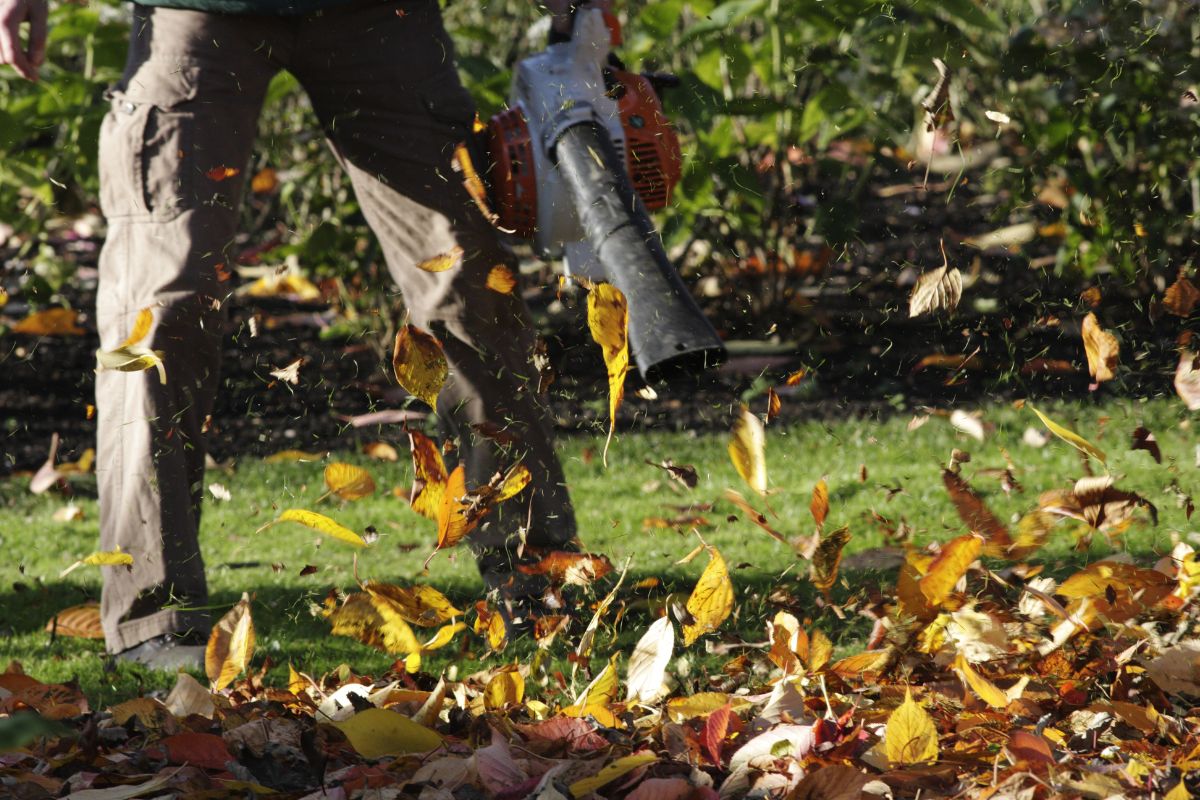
[(1094, 90)]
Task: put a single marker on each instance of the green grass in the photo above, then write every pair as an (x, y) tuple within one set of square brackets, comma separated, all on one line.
[(903, 483)]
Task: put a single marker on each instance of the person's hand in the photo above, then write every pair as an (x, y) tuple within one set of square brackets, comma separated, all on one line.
[(560, 11), (12, 14)]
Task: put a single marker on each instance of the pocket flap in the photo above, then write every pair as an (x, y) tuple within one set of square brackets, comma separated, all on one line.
[(159, 83)]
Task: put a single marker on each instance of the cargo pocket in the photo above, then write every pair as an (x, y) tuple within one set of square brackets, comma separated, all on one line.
[(145, 144)]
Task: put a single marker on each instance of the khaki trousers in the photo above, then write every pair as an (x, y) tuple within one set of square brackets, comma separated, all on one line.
[(381, 78)]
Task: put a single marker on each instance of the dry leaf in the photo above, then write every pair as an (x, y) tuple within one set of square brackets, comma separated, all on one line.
[(746, 449), (826, 558), (430, 473), (911, 737), (819, 507), (773, 404), (50, 322), (1187, 379), (936, 290), (937, 102), (648, 663), (290, 373), (443, 261), (1071, 437), (82, 622), (221, 173), (1102, 349), (419, 364), (381, 451), (977, 516), (1181, 297), (348, 481), (320, 523), (608, 320), (500, 279), (264, 181), (711, 601), (951, 564), (230, 645), (452, 520)]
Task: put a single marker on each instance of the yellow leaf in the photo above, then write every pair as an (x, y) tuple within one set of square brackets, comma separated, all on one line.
[(603, 688), (515, 480), (988, 692), (506, 688), (50, 322), (230, 645), (453, 524), (496, 632), (1071, 437), (292, 456), (1101, 348), (608, 320), (133, 358), (1178, 792), (420, 605), (444, 636), (348, 481), (264, 181), (747, 448), (711, 601), (110, 558), (820, 650), (611, 771), (321, 524), (908, 586), (377, 732), (358, 617), (289, 284), (443, 261), (500, 279), (430, 473), (381, 451), (297, 685), (911, 737), (701, 704), (141, 327), (950, 565), (420, 364), (827, 558)]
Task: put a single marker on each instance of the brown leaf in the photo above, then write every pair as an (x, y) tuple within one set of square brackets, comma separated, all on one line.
[(827, 558), (683, 473), (831, 782), (1143, 439), (1181, 297), (221, 173), (756, 516), (563, 567), (290, 373), (230, 645), (1103, 506), (419, 363), (773, 404), (977, 516), (50, 322), (430, 473), (264, 181), (715, 728), (381, 451), (1102, 350), (82, 622)]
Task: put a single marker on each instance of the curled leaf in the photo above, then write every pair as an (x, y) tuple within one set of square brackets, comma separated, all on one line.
[(747, 446), (319, 523), (500, 279), (1101, 348), (936, 290), (230, 645), (608, 320), (711, 601), (1071, 437), (442, 261), (348, 481)]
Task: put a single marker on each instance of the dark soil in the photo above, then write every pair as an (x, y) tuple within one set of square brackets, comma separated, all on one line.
[(1015, 334)]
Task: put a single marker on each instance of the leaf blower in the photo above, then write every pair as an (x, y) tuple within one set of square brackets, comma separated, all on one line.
[(575, 162)]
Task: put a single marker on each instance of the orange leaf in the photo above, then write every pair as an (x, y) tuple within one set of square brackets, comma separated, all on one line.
[(1181, 297), (221, 173), (419, 363), (81, 621), (950, 565), (819, 507), (773, 404), (453, 524), (430, 473), (500, 279), (264, 181), (50, 322)]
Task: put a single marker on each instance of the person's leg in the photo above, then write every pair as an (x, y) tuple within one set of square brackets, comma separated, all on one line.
[(187, 105), (385, 87)]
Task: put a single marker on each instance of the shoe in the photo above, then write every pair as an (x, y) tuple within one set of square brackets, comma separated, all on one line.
[(171, 651)]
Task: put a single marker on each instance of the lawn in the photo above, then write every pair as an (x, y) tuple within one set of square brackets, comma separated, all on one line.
[(871, 466)]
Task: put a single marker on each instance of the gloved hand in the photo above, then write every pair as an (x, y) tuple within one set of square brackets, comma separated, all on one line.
[(13, 13)]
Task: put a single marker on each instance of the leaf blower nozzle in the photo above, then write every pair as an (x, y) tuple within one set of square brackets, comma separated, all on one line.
[(669, 337)]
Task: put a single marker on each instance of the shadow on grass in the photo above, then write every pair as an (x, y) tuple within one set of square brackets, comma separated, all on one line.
[(290, 632)]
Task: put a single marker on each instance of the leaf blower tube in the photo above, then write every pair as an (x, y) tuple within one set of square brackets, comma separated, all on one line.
[(668, 335)]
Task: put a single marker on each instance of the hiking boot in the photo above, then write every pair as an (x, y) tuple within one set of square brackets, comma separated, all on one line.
[(171, 651)]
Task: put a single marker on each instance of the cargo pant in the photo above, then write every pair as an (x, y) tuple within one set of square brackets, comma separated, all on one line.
[(382, 81)]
